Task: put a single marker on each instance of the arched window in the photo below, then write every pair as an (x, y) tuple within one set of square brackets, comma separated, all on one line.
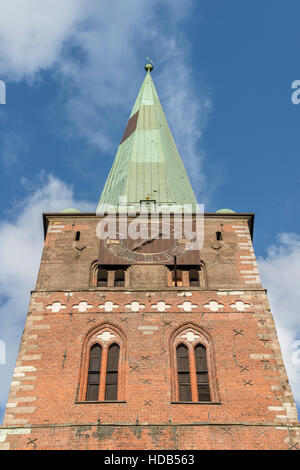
[(192, 366), (111, 389), (193, 382), (102, 371), (183, 371), (92, 390), (219, 235), (97, 390), (202, 373)]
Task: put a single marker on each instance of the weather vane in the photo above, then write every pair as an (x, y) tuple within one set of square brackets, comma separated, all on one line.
[(149, 65)]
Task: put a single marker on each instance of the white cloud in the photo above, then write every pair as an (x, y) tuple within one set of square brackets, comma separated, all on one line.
[(32, 34), (280, 271), (20, 252), (96, 49)]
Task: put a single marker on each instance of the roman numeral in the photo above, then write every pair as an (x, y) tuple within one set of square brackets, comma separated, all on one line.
[(166, 256), (178, 250), (117, 250), (148, 258), (131, 256)]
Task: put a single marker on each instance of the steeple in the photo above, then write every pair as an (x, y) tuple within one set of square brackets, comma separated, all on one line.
[(147, 165)]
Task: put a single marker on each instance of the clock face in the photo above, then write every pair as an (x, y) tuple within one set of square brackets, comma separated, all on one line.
[(154, 248)]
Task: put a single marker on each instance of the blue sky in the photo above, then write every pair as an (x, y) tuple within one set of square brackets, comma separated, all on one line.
[(223, 71)]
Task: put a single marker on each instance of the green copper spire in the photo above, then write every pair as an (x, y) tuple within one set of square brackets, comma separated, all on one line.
[(147, 164)]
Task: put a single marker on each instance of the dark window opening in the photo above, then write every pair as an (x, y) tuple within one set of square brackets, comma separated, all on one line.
[(183, 370), (102, 277), (77, 237), (94, 373), (178, 277), (119, 278), (202, 373), (194, 278), (192, 275), (111, 389), (219, 235)]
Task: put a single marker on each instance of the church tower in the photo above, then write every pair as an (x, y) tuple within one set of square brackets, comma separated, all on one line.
[(142, 339)]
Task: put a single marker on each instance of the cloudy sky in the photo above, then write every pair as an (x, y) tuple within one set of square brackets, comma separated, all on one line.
[(223, 71)]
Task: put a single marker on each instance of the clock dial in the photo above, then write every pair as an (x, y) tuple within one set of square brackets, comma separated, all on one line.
[(151, 249)]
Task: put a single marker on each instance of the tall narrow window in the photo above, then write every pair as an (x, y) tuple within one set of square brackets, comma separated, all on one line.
[(77, 237), (178, 277), (102, 277), (202, 373), (194, 278), (94, 373), (103, 365), (183, 370), (111, 389), (219, 235), (119, 278)]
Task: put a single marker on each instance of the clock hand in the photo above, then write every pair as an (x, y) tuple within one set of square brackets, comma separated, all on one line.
[(144, 242)]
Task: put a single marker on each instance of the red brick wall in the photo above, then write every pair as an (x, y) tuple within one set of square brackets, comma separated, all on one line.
[(248, 381), (229, 263)]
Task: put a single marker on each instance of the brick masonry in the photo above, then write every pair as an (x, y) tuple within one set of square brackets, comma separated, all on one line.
[(252, 407)]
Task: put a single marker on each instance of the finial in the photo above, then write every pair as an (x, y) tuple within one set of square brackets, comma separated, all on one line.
[(149, 65)]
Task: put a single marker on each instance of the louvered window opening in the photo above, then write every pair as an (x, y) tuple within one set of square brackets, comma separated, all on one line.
[(102, 277), (202, 373), (119, 278), (194, 278), (178, 277), (94, 373), (183, 370), (184, 374), (96, 364), (111, 389)]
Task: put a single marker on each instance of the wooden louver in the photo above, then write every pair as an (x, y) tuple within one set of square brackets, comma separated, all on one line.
[(111, 389), (94, 373), (183, 370)]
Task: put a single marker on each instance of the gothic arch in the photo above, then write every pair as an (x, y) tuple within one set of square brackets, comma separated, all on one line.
[(93, 273), (190, 335), (105, 334)]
